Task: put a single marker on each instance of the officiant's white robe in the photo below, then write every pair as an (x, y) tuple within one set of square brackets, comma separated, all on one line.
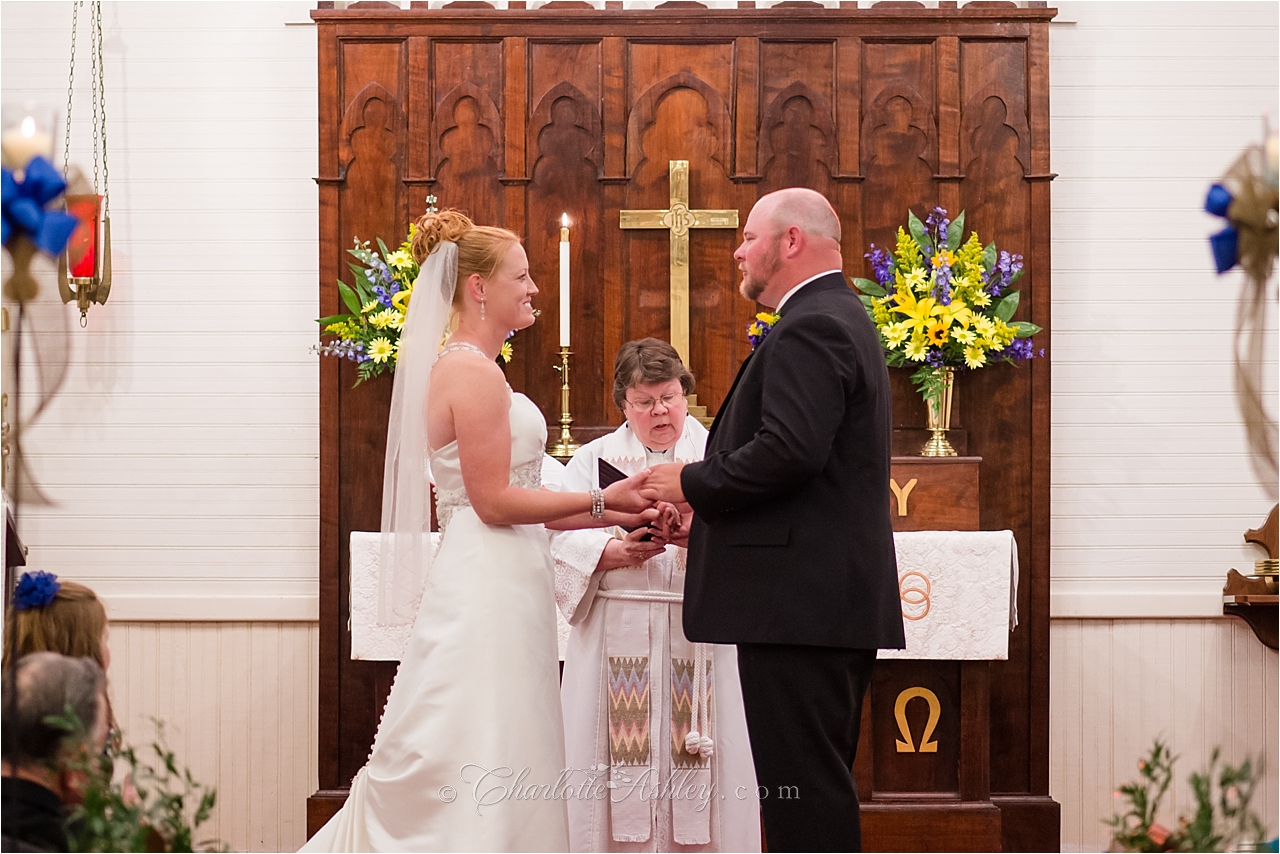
[(729, 818)]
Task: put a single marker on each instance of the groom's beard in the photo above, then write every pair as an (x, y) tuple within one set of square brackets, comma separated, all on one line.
[(754, 281)]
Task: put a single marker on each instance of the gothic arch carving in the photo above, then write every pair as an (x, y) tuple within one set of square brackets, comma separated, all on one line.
[(822, 121), (446, 119), (588, 120), (353, 120), (644, 112), (922, 119), (975, 121)]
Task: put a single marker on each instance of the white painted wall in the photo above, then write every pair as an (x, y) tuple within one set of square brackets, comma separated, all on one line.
[(1152, 489), (183, 450), (239, 705), (1116, 685)]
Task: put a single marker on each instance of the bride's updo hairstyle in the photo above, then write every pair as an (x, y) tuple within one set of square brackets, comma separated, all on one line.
[(481, 248)]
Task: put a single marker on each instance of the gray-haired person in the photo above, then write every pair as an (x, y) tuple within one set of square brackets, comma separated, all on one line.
[(39, 777), (678, 762)]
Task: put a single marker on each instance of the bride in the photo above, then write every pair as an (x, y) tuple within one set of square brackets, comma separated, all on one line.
[(470, 748)]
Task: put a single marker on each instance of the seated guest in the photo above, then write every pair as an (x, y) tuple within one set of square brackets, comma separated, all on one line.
[(48, 615), (41, 762), (662, 768), (55, 616)]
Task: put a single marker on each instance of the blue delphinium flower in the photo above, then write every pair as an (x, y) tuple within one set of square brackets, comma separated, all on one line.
[(934, 357), (938, 223), (881, 263), (35, 590), (942, 284), (1021, 349), (991, 281), (380, 270)]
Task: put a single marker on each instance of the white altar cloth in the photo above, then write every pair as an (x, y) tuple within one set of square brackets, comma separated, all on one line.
[(959, 594), (369, 640)]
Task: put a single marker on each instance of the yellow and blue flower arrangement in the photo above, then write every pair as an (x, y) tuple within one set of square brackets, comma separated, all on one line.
[(939, 302)]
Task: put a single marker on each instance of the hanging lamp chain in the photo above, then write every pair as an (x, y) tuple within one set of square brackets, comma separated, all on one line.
[(101, 101), (71, 88), (93, 87)]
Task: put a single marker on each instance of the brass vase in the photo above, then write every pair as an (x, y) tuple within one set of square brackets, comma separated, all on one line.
[(938, 416)]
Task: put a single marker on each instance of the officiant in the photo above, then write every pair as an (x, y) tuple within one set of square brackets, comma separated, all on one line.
[(655, 764)]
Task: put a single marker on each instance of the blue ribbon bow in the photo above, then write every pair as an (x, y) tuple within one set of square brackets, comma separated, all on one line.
[(1226, 243), (24, 207)]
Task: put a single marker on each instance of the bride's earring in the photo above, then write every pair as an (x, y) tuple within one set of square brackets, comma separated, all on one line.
[(482, 308)]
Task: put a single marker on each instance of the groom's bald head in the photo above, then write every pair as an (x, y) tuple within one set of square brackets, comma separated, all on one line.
[(790, 235), (805, 209)]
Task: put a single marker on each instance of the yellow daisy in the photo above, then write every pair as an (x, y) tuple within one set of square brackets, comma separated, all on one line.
[(380, 350), (965, 336), (917, 348), (895, 334), (384, 318), (974, 357), (982, 299), (400, 259), (368, 307), (916, 279)]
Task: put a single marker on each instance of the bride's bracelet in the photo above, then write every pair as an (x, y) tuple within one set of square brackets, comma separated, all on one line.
[(597, 504)]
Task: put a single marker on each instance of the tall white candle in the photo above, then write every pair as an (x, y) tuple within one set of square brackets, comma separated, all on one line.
[(564, 280)]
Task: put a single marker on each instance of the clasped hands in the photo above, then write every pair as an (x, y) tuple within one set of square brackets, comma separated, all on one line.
[(655, 502)]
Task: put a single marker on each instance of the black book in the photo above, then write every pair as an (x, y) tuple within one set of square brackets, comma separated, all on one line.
[(609, 473)]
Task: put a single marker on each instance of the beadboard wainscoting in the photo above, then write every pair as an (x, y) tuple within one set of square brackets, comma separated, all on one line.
[(239, 705), (1115, 685)]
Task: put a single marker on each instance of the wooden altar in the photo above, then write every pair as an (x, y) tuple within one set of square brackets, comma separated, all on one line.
[(519, 115)]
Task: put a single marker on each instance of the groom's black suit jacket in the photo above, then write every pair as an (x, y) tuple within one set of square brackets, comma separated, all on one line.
[(792, 541)]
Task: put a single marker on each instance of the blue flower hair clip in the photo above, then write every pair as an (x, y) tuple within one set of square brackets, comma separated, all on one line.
[(35, 590)]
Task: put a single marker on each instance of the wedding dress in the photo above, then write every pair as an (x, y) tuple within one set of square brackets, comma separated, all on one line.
[(471, 743)]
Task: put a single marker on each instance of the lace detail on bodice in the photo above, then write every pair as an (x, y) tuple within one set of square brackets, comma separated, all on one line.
[(450, 501)]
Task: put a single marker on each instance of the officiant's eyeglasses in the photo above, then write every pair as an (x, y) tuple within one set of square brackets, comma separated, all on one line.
[(648, 403)]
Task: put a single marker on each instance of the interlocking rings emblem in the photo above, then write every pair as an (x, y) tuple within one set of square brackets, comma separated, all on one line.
[(915, 599)]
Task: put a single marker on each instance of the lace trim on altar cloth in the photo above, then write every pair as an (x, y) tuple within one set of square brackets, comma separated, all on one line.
[(450, 501)]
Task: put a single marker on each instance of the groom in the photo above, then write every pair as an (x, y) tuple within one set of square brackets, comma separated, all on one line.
[(791, 547)]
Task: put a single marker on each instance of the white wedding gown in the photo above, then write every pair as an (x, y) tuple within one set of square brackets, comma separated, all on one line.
[(471, 744)]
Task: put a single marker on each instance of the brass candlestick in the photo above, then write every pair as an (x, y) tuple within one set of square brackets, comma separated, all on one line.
[(566, 446)]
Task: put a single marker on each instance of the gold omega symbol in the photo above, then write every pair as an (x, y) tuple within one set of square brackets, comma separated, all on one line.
[(904, 744)]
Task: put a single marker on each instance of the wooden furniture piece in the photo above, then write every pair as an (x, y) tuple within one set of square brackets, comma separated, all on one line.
[(519, 115), (1254, 600), (934, 493)]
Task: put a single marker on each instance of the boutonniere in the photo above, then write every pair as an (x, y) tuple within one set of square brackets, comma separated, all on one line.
[(759, 328)]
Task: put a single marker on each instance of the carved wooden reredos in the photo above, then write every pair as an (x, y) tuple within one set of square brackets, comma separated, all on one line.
[(519, 115)]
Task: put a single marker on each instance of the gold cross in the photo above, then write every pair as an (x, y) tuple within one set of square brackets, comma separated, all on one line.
[(678, 219)]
